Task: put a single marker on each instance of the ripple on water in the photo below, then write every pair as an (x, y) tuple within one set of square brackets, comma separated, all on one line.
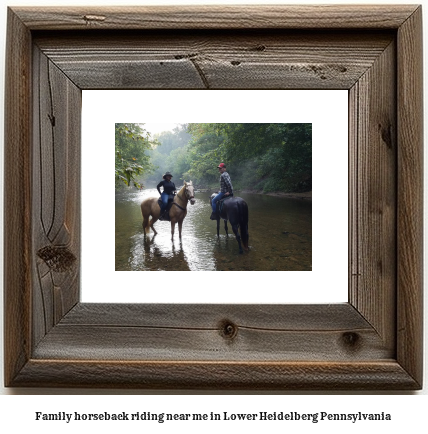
[(280, 237)]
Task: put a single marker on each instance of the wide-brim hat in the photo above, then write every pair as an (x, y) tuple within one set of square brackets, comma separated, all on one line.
[(167, 174)]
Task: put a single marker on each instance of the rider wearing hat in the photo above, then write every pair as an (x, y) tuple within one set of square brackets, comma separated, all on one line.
[(226, 189), (168, 188)]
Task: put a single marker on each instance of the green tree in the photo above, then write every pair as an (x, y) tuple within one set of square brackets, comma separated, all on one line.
[(206, 150), (271, 157), (287, 164), (179, 163), (267, 157), (132, 142), (171, 154), (170, 140)]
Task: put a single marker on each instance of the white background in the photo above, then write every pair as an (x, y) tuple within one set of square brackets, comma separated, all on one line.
[(328, 113), (17, 412)]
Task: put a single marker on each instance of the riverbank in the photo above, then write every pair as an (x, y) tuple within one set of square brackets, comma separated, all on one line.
[(302, 196)]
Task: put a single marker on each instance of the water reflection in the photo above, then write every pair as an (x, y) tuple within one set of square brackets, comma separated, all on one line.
[(280, 237), (147, 253)]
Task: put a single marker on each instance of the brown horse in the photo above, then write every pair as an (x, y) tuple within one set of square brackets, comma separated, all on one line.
[(150, 207)]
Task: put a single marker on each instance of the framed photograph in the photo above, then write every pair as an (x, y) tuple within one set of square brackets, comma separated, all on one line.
[(280, 224), (371, 342)]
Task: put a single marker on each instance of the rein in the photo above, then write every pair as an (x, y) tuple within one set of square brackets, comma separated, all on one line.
[(176, 204)]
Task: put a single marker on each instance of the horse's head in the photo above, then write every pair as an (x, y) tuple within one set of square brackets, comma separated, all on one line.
[(189, 191), (212, 197)]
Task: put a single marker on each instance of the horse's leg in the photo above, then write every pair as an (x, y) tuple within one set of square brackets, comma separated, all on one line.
[(155, 217), (145, 219), (180, 225), (152, 222), (238, 238), (145, 224), (172, 229), (225, 228), (148, 211), (218, 228)]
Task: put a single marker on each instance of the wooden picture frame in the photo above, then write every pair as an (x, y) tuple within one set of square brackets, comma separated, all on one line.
[(372, 342)]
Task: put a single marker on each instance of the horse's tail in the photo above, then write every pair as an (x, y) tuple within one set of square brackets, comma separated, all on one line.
[(243, 223)]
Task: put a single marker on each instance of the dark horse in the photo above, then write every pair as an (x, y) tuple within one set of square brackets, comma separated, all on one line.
[(234, 209)]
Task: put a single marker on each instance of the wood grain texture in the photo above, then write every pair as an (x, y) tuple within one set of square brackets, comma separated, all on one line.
[(210, 316), (56, 198), (17, 199), (216, 59), (410, 196), (372, 342), (386, 375), (198, 332), (373, 161), (217, 17)]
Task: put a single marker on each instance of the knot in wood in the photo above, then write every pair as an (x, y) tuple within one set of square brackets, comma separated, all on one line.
[(227, 329), (351, 340), (58, 259)]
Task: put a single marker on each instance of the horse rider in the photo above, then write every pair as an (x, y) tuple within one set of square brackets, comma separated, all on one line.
[(226, 189), (168, 189)]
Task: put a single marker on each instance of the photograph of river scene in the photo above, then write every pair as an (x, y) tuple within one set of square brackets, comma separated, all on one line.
[(268, 167)]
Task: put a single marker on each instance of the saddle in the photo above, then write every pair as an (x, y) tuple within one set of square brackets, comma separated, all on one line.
[(220, 203), (168, 207)]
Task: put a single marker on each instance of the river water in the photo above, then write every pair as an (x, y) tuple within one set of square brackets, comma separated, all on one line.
[(280, 237)]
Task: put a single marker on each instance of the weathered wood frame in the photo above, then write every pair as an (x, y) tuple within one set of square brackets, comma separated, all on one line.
[(372, 342)]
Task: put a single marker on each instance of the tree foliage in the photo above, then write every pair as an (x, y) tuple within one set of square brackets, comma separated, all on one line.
[(266, 157), (270, 157), (171, 154), (132, 142)]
